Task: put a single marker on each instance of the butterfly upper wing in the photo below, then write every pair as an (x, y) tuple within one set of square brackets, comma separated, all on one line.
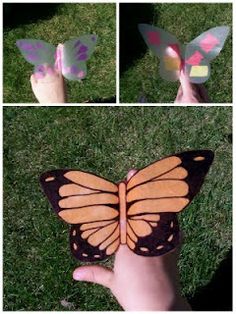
[(75, 54), (166, 47), (90, 204), (156, 193), (37, 52), (202, 50)]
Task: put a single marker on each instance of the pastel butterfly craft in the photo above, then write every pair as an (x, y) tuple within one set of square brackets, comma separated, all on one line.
[(140, 213), (194, 59), (70, 58)]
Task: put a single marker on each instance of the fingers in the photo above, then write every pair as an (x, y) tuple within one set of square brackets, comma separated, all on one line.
[(179, 95), (33, 80), (203, 93), (96, 274), (185, 83), (131, 173)]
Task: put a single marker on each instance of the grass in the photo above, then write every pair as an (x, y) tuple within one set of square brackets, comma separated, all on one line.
[(186, 21), (107, 141), (67, 21)]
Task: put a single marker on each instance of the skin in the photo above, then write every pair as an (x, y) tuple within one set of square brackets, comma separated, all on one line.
[(50, 87), (151, 283), (191, 93)]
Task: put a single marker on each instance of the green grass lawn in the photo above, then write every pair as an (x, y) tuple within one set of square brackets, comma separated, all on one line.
[(68, 21), (186, 21), (108, 141)]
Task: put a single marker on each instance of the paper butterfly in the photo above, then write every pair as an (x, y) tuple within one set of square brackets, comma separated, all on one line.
[(70, 60), (140, 213), (194, 59)]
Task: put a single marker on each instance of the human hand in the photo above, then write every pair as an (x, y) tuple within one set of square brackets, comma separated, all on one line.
[(139, 283), (190, 93), (48, 86)]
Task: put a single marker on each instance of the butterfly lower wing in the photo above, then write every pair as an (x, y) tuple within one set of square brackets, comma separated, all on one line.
[(156, 193), (90, 204), (76, 53), (37, 52), (149, 237), (166, 47), (202, 50)]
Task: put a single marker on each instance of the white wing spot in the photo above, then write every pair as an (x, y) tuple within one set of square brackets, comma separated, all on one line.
[(144, 249), (170, 238), (48, 179)]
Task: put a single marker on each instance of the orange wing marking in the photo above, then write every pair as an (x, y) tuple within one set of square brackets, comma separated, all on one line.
[(87, 200), (158, 189), (199, 158), (173, 204), (91, 181), (88, 214), (154, 170), (74, 189)]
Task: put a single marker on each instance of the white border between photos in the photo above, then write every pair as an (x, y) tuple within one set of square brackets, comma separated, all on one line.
[(115, 104)]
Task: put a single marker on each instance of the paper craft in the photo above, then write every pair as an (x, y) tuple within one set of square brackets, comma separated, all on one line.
[(69, 59), (139, 213), (194, 59)]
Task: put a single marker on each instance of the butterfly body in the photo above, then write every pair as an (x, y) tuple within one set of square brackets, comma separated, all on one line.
[(194, 58), (140, 213), (70, 58)]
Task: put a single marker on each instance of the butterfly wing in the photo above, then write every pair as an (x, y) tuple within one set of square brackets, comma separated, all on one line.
[(156, 193), (166, 47), (90, 204), (202, 50), (75, 54), (37, 52)]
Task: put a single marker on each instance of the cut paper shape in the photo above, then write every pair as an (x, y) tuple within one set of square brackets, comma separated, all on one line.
[(171, 64), (198, 52), (199, 71), (195, 59), (140, 213), (70, 58)]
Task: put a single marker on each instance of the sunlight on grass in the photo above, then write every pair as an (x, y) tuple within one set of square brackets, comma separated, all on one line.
[(108, 141)]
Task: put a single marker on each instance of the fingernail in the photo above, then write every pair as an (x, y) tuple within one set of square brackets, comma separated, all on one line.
[(39, 75), (79, 274)]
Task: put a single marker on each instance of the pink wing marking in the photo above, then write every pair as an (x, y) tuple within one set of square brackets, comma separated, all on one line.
[(208, 43), (81, 74), (176, 49), (153, 38), (195, 59), (58, 58)]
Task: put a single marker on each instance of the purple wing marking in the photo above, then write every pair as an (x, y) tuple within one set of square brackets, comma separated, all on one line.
[(74, 69), (77, 44), (32, 57), (83, 48), (82, 57)]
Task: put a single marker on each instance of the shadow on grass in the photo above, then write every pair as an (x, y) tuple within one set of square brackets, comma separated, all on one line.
[(132, 45), (15, 14), (104, 101), (217, 295)]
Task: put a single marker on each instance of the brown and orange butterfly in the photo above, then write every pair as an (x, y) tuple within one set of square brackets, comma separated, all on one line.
[(140, 213)]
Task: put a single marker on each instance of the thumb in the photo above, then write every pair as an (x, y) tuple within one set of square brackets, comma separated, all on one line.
[(96, 274), (33, 80), (185, 83)]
